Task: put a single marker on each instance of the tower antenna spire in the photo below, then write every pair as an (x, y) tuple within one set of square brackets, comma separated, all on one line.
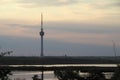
[(42, 34), (41, 20)]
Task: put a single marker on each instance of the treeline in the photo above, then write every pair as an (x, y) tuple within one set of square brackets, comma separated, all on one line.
[(57, 60)]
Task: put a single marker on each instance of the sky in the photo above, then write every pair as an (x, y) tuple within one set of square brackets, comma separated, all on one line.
[(72, 27)]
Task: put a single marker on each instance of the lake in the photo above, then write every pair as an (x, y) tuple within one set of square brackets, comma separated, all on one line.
[(27, 75), (49, 75)]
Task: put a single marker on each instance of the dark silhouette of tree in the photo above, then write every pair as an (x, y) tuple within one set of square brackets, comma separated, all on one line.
[(116, 75), (35, 77), (96, 75), (68, 75), (4, 73), (5, 53)]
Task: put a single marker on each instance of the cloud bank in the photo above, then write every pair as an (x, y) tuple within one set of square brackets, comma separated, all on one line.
[(46, 2)]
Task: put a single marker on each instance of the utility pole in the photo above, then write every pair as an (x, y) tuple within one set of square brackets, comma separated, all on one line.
[(115, 52)]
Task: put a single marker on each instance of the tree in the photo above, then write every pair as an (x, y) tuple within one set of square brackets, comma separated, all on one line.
[(68, 75), (35, 77), (4, 73), (116, 75), (5, 53), (96, 75)]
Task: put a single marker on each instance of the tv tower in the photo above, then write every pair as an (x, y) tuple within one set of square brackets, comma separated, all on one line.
[(42, 34)]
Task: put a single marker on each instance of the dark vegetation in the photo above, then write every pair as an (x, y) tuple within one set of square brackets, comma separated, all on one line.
[(93, 75), (57, 60), (68, 75), (4, 73), (74, 75), (35, 77), (116, 75)]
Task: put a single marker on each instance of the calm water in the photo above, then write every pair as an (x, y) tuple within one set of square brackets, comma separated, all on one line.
[(27, 75)]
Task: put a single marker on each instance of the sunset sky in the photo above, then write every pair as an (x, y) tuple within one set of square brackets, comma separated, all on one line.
[(72, 27)]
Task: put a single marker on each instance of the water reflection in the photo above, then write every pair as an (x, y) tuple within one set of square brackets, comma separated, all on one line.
[(49, 75), (94, 65), (29, 74)]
